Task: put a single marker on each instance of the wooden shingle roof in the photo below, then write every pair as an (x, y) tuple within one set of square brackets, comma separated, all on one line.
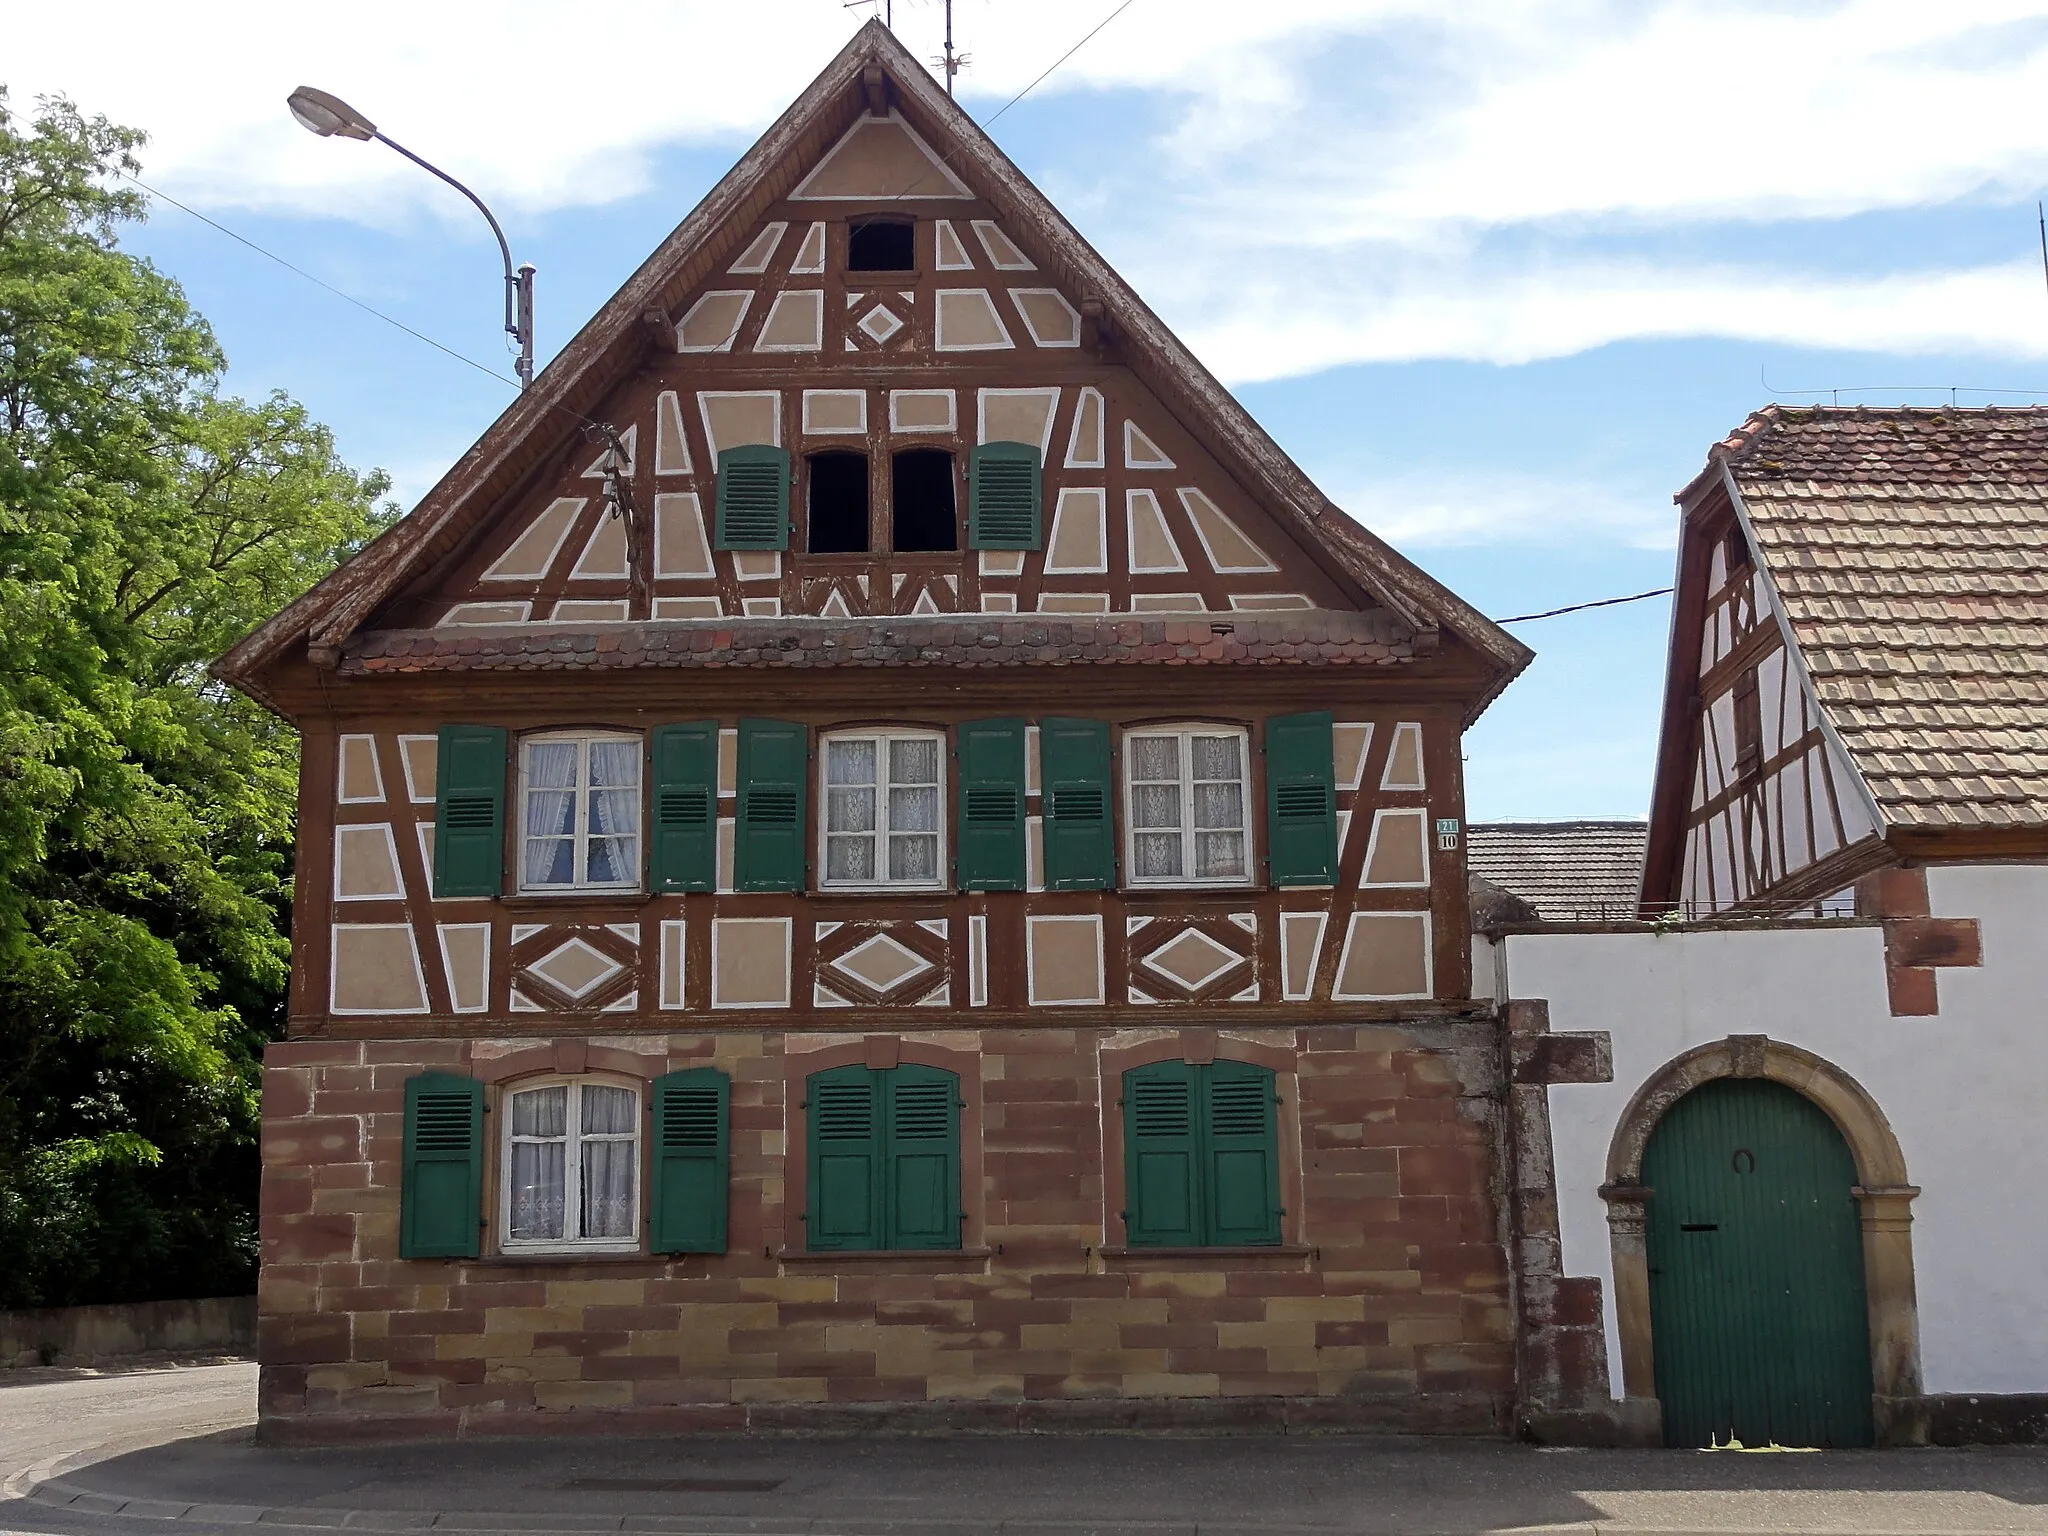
[(1567, 870), (1909, 548)]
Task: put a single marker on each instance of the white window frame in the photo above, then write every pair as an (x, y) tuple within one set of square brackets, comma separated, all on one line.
[(1182, 733), (572, 1166), (881, 736), (579, 832)]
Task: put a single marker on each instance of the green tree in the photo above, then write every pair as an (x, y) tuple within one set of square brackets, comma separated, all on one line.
[(146, 812)]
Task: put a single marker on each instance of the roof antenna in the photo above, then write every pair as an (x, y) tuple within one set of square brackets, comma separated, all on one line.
[(2042, 214), (953, 62), (888, 10)]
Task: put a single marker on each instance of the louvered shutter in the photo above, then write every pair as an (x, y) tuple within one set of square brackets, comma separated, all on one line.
[(682, 853), (1073, 758), (1162, 1172), (921, 1160), (1301, 799), (687, 1200), (991, 793), (753, 497), (469, 811), (440, 1195), (768, 848), (1004, 489), (1240, 1154), (843, 1125)]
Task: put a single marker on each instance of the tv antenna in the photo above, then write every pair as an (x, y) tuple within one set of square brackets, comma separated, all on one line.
[(888, 9), (951, 62)]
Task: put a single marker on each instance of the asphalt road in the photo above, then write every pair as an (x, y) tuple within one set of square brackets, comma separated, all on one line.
[(170, 1452)]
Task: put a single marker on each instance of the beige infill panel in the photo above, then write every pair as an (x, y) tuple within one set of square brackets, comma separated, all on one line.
[(968, 322), (1063, 960), (366, 863), (879, 159), (713, 321), (681, 547), (466, 958), (376, 969), (737, 419), (420, 756), (1386, 956), (533, 552), (358, 780), (750, 962), (1301, 946), (1398, 853)]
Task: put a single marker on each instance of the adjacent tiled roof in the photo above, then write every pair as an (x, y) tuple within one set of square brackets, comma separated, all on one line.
[(1566, 870), (1306, 638), (1910, 548)]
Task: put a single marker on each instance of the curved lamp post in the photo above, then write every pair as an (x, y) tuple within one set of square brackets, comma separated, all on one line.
[(331, 117)]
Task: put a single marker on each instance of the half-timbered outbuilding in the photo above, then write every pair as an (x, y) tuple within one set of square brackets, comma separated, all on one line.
[(876, 843), (1799, 1210)]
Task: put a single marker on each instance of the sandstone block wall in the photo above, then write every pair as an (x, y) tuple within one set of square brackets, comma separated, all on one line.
[(1388, 1304)]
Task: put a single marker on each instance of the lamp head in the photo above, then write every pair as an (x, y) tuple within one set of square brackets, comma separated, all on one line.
[(329, 116)]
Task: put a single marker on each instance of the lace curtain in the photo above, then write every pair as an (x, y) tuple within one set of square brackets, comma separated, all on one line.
[(613, 853), (609, 1161), (850, 810), (550, 813), (914, 809), (1155, 807), (1219, 807), (539, 1153)]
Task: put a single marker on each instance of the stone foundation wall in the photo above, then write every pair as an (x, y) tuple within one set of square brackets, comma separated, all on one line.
[(1388, 1304)]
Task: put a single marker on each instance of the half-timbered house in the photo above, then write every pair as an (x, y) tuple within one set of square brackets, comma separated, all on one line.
[(876, 842)]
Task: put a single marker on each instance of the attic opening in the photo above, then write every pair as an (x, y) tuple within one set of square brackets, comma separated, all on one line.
[(837, 509), (921, 501), (881, 245)]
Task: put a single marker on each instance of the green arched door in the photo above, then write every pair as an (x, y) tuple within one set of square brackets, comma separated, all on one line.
[(1756, 1271)]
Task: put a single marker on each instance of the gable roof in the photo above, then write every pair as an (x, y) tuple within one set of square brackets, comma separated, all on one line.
[(532, 429), (1909, 548), (1566, 870)]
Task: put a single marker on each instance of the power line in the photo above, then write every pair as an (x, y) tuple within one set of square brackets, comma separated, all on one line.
[(1056, 63), (483, 368), (1605, 602)]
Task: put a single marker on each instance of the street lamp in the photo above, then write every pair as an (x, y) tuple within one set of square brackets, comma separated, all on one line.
[(329, 116)]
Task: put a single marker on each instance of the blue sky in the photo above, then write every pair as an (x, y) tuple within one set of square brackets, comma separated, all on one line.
[(1497, 275)]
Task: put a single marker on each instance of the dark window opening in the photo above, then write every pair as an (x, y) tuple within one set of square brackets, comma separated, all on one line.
[(921, 499), (838, 504), (881, 245), (1738, 550), (1749, 727)]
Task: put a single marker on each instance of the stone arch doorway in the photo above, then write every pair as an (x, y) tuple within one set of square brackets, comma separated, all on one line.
[(1883, 1198)]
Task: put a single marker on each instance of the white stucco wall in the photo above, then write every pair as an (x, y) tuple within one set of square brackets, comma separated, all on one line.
[(1965, 1091)]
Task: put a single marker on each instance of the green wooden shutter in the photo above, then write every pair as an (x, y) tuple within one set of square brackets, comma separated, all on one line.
[(440, 1196), (753, 497), (991, 791), (1240, 1154), (682, 854), (1162, 1162), (1301, 799), (844, 1205), (1073, 757), (469, 811), (1004, 493), (921, 1184), (768, 849), (686, 1208)]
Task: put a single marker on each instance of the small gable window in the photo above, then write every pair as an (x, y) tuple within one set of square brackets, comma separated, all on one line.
[(1187, 817), (580, 813), (571, 1157), (923, 512), (881, 245), (837, 510)]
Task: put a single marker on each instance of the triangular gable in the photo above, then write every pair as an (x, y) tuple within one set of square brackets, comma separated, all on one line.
[(833, 126), (880, 160)]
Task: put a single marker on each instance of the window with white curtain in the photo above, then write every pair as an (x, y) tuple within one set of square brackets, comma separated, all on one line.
[(580, 813), (1186, 807), (570, 1167), (883, 821)]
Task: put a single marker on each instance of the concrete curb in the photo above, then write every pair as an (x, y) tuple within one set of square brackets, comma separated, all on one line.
[(56, 1493)]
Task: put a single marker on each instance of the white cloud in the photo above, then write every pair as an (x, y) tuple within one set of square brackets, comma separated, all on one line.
[(1335, 180), (1300, 317), (1437, 510)]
